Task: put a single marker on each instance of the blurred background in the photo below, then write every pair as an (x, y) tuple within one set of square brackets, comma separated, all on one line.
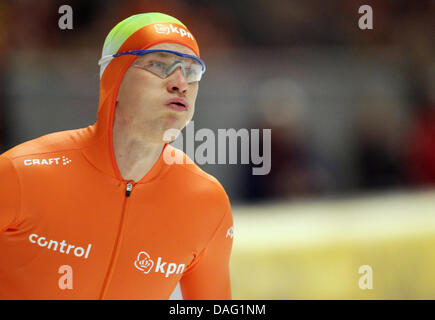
[(352, 114)]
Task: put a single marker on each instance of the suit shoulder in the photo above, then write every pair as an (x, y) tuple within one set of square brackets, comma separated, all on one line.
[(201, 182), (46, 144)]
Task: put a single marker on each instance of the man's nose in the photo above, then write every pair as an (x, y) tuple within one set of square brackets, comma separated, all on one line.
[(177, 81)]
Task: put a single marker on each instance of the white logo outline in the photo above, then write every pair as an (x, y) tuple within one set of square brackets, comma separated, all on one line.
[(161, 28), (140, 265), (230, 232)]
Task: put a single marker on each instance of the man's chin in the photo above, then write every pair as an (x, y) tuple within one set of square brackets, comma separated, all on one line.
[(170, 134), (167, 128)]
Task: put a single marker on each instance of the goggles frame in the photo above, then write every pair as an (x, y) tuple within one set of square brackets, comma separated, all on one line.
[(146, 51)]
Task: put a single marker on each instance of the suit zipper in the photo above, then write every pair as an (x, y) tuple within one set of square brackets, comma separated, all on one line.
[(128, 189)]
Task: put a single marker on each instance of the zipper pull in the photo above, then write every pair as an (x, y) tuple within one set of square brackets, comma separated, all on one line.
[(129, 188)]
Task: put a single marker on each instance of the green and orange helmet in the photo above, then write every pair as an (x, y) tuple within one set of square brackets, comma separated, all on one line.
[(141, 31)]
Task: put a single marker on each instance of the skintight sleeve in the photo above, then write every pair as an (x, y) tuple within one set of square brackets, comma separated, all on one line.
[(9, 194), (209, 278)]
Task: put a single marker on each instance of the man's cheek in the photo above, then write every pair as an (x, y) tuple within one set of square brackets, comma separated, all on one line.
[(191, 112)]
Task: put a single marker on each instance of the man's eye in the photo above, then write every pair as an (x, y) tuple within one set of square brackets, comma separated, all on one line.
[(191, 71), (157, 64)]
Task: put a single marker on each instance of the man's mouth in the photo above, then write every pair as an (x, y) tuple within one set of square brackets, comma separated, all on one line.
[(177, 104)]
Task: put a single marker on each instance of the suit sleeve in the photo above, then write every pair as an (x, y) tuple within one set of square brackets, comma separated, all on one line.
[(209, 278), (9, 193)]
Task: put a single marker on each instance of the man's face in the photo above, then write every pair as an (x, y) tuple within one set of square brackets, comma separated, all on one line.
[(143, 98)]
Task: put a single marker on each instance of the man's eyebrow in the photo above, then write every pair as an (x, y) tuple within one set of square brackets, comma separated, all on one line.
[(158, 53), (162, 54)]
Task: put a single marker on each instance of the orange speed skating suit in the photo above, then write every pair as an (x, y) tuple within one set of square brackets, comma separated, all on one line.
[(63, 202)]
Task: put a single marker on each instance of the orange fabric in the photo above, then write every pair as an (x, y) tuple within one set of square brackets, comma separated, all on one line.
[(63, 202)]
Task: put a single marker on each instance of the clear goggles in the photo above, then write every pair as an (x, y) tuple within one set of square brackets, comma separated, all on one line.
[(163, 62)]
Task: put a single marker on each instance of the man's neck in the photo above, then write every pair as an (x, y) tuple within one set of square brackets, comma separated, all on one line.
[(134, 156)]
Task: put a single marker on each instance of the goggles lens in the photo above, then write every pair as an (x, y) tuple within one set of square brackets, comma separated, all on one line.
[(164, 64)]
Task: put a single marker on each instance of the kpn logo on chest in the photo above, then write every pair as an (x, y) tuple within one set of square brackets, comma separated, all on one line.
[(145, 264)]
